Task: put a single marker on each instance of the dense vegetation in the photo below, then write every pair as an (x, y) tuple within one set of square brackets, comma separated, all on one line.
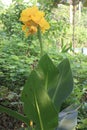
[(20, 54)]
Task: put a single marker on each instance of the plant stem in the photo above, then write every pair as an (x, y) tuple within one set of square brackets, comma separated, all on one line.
[(40, 41)]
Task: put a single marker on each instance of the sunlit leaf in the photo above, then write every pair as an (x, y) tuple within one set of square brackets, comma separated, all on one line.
[(58, 80), (37, 104)]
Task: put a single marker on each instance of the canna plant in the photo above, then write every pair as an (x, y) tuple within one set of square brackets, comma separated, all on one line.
[(47, 85)]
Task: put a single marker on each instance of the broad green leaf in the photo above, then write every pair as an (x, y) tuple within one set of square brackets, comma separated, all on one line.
[(37, 104), (46, 86), (58, 80), (47, 71), (64, 82)]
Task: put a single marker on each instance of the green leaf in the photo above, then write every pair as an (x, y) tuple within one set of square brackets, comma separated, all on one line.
[(58, 80), (64, 82), (46, 86), (37, 104), (14, 114), (47, 71), (68, 118)]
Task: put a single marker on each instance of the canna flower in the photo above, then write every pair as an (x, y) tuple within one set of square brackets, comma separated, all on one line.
[(32, 18)]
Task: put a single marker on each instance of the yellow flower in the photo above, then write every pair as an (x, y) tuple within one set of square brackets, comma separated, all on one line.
[(31, 123), (24, 27), (29, 30), (32, 18), (32, 30), (31, 14), (44, 25)]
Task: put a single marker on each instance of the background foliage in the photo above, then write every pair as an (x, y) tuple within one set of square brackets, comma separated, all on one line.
[(19, 55)]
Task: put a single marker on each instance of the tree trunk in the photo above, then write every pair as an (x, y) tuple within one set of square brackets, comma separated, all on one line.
[(80, 8), (72, 21)]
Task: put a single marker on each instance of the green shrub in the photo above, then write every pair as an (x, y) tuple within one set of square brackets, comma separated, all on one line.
[(16, 61), (10, 20)]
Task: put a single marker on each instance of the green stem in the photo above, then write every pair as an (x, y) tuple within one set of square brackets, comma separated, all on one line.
[(14, 114), (40, 41)]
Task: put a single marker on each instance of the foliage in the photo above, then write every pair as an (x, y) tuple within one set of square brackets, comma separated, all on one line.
[(47, 93), (68, 118), (59, 32), (44, 86), (85, 3), (19, 55), (15, 63), (1, 5), (79, 68), (59, 18), (10, 19)]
